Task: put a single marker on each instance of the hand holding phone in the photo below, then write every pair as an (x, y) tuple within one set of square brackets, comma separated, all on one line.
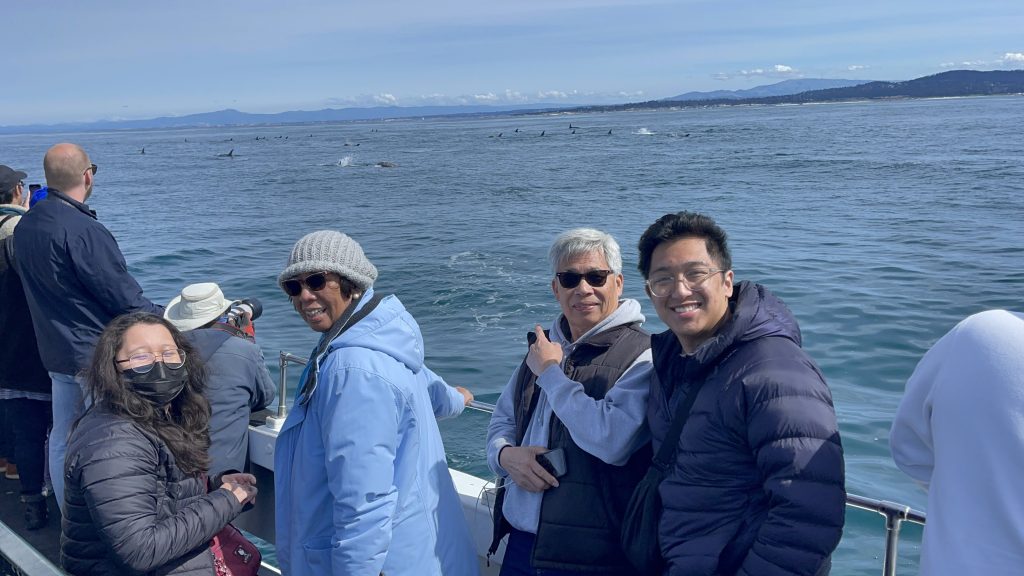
[(553, 461)]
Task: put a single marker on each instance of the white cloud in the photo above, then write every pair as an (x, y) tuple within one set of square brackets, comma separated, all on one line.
[(964, 64), (549, 94), (385, 98), (776, 71), (1014, 57), (515, 96), (855, 67), (488, 97), (340, 101)]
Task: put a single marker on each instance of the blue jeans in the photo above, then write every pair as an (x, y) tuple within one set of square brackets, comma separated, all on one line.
[(518, 551), (67, 407)]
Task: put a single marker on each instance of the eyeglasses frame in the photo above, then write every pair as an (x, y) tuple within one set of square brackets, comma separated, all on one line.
[(583, 276), (149, 366), (303, 284), (679, 277)]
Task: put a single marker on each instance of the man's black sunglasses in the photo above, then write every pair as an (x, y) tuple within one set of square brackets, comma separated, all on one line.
[(595, 278), (315, 282)]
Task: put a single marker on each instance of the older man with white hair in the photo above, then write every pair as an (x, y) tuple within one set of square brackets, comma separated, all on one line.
[(579, 399)]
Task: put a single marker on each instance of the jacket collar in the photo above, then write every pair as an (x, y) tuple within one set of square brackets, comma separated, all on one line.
[(62, 197)]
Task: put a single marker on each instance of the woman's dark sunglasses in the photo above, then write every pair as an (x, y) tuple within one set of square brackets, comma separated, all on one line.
[(595, 278), (315, 282)]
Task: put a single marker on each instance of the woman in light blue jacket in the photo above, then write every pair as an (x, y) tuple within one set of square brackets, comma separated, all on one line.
[(362, 483)]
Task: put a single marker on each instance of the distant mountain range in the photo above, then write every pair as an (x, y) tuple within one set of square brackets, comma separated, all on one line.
[(784, 88), (955, 83), (231, 117), (947, 84)]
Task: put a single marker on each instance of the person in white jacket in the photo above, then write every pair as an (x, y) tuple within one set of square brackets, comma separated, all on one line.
[(959, 431)]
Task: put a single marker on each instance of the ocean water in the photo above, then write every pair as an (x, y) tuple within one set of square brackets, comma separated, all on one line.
[(880, 224)]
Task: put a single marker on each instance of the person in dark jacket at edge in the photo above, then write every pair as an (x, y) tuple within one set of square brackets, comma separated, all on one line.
[(138, 499), (24, 383), (76, 282), (582, 388), (757, 487), (237, 382)]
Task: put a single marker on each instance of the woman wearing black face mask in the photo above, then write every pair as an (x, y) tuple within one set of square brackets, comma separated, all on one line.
[(137, 499)]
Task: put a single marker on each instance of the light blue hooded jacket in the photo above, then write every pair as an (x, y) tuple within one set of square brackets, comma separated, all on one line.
[(362, 483)]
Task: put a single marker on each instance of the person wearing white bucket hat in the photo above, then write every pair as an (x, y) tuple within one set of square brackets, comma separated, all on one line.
[(237, 383), (196, 306)]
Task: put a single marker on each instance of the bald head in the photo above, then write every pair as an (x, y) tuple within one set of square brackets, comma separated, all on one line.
[(64, 166)]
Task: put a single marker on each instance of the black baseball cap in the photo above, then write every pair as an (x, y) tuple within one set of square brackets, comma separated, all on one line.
[(9, 177)]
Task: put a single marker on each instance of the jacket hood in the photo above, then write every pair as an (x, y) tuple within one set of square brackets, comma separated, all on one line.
[(627, 312), (388, 329), (756, 313)]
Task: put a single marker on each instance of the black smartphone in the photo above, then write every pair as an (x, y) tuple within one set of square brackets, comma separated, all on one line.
[(34, 187), (531, 338), (553, 461)]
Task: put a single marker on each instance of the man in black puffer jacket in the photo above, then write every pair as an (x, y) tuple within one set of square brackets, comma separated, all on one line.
[(758, 483)]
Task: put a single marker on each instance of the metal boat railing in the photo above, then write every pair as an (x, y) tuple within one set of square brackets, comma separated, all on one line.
[(893, 512)]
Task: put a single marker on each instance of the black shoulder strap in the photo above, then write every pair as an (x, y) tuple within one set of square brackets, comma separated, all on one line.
[(7, 247), (6, 218), (667, 452)]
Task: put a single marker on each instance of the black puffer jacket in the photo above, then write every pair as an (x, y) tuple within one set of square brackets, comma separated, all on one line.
[(758, 483), (129, 509)]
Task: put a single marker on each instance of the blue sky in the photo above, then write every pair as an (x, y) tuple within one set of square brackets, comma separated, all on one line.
[(104, 59)]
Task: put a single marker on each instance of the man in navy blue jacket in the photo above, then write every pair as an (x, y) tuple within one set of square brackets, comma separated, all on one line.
[(758, 483), (76, 281)]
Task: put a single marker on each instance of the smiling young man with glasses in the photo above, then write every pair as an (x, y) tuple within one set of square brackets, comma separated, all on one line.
[(757, 486), (76, 281), (581, 392)]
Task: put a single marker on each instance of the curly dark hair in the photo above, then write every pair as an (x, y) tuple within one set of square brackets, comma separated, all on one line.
[(185, 427), (684, 225)]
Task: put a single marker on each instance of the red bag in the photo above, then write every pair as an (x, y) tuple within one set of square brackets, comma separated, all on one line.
[(234, 554)]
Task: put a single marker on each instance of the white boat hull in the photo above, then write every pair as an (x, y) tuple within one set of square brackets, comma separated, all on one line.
[(475, 494)]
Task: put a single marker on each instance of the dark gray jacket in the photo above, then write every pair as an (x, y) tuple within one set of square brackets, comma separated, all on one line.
[(758, 484), (237, 384), (128, 507), (75, 279), (20, 366)]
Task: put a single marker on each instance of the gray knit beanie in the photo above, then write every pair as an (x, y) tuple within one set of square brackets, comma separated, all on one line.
[(331, 251)]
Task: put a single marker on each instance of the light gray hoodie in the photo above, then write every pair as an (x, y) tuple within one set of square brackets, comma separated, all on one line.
[(610, 429)]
